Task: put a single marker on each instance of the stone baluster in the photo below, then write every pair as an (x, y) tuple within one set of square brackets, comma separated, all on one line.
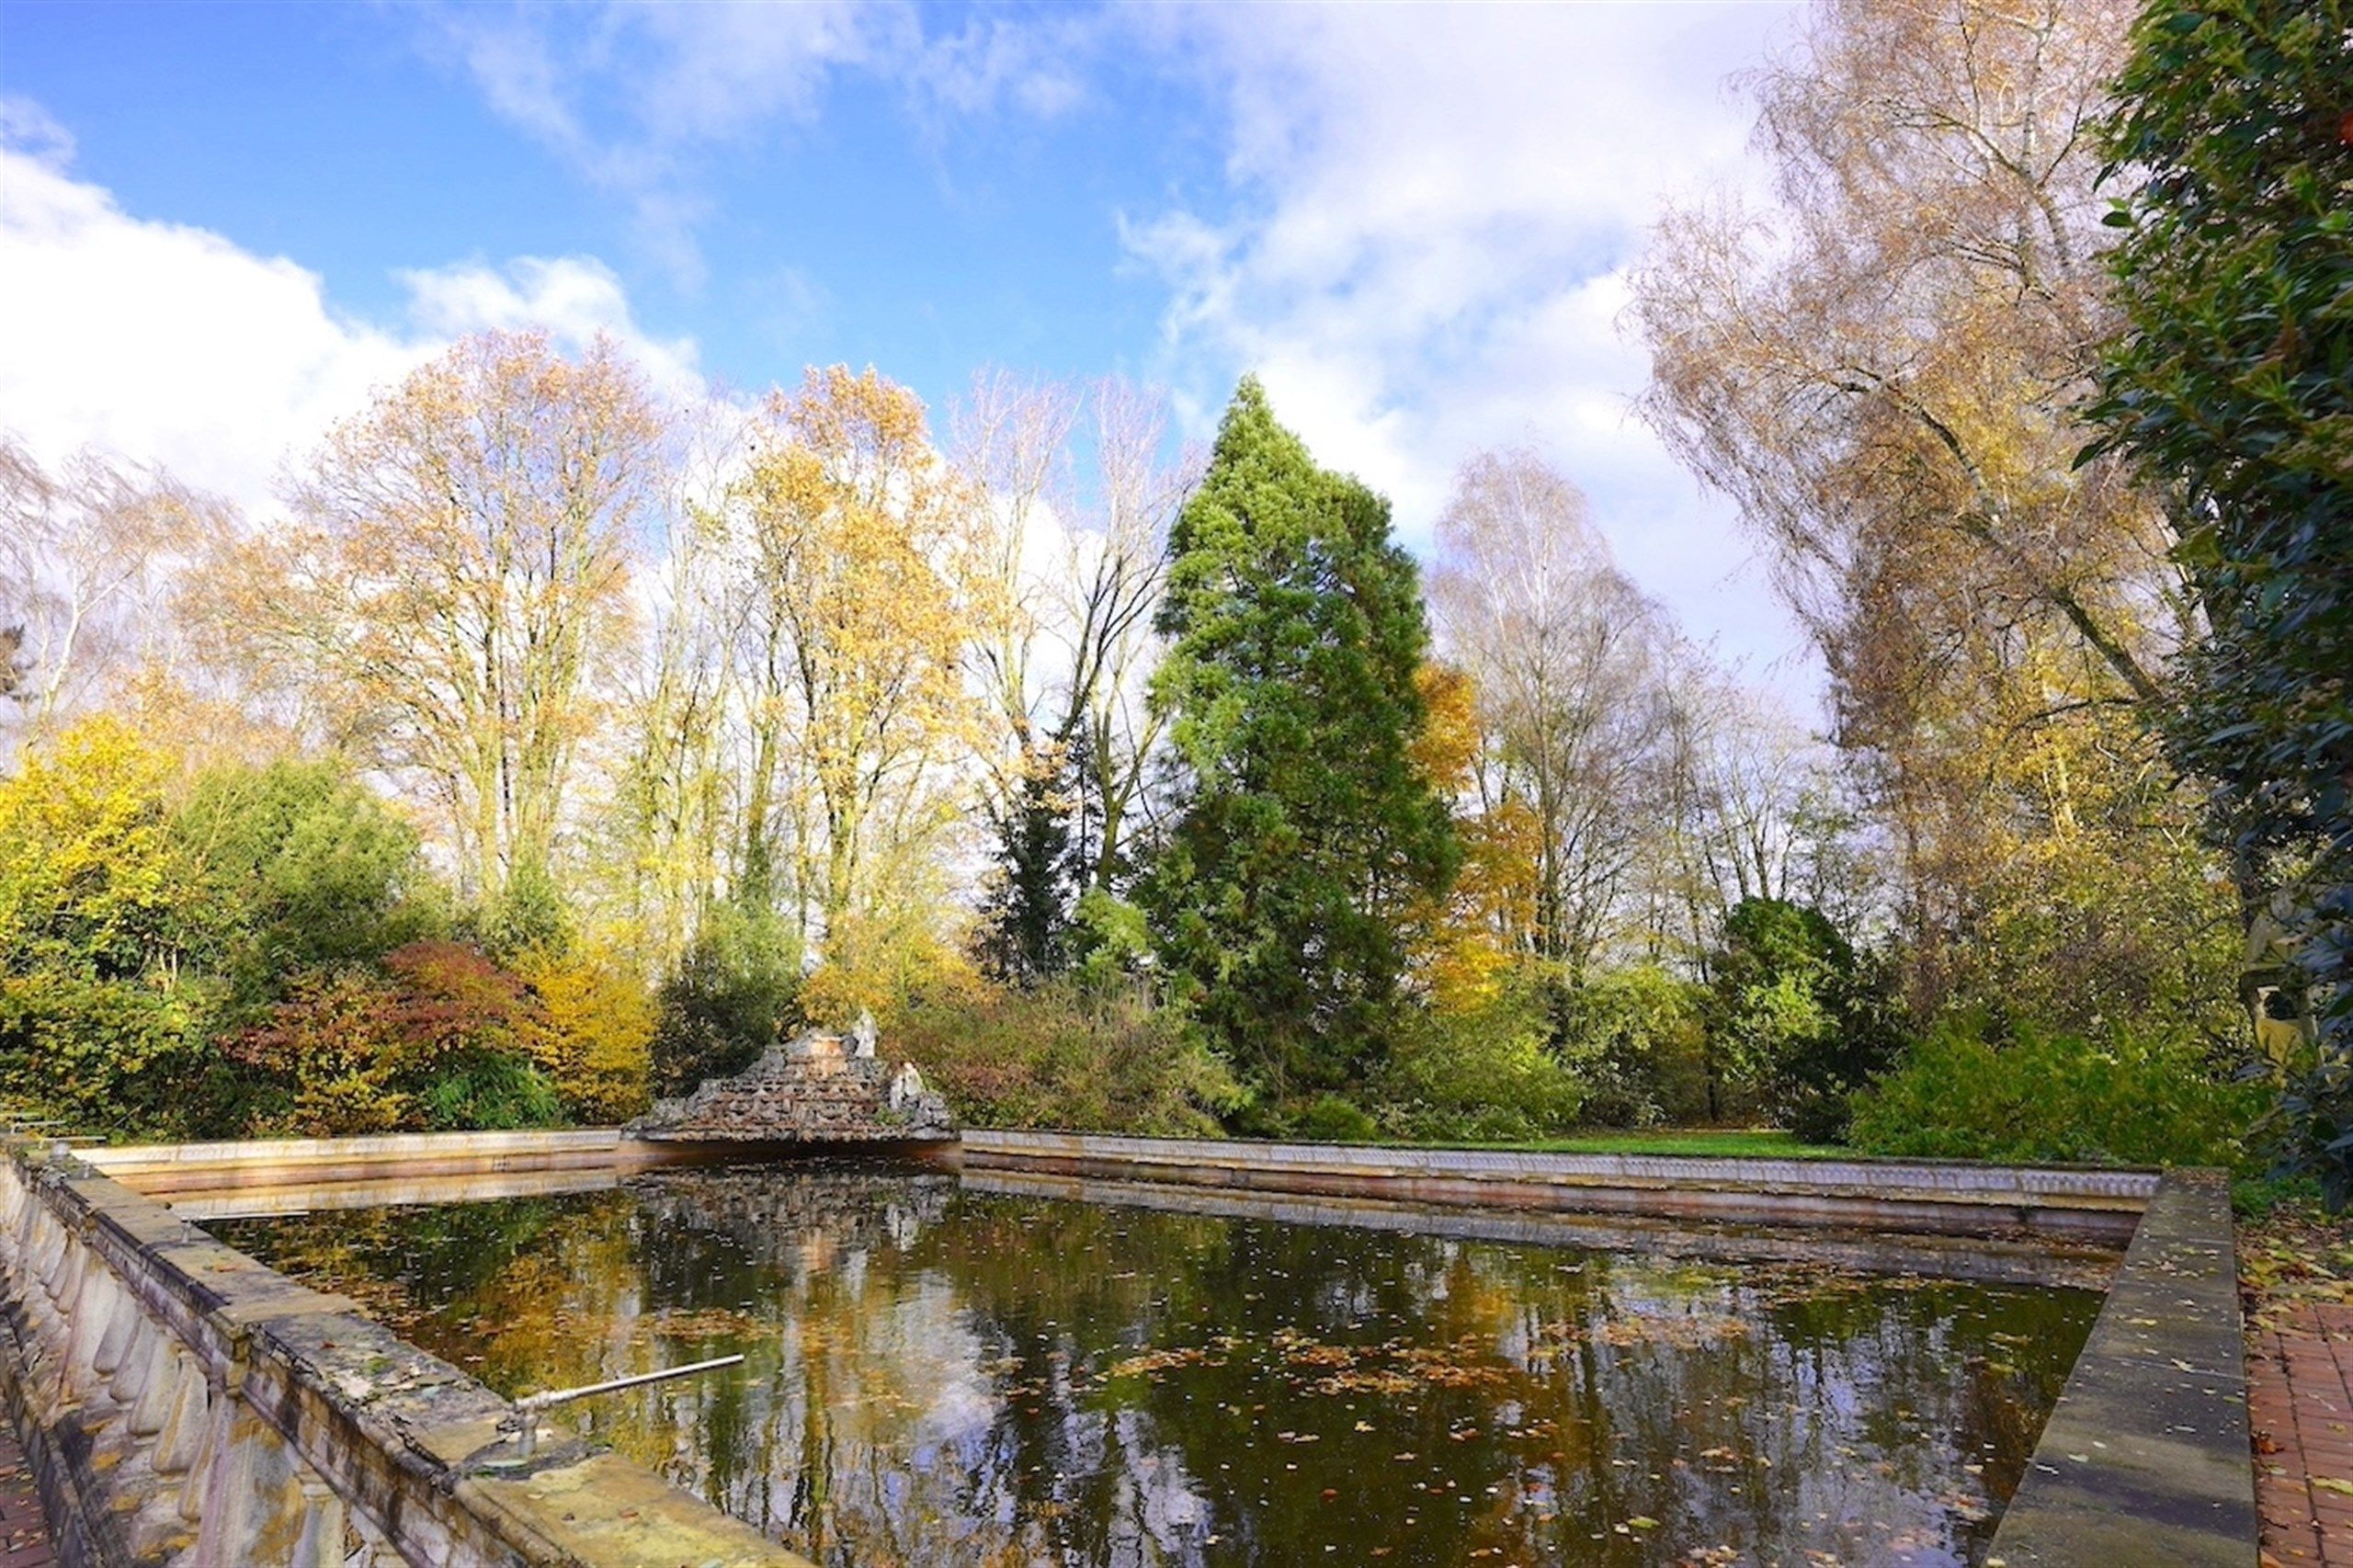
[(194, 1439), (259, 1506)]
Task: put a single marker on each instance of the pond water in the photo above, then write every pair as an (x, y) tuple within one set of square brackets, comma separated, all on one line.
[(942, 1375)]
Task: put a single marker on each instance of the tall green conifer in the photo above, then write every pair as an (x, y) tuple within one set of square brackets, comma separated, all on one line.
[(1304, 833)]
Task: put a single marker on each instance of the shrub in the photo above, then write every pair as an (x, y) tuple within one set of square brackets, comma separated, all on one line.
[(112, 1055), (303, 867), (1635, 1042), (496, 1091), (1328, 1118), (1063, 1055), (2041, 1096), (1482, 1072), (103, 1017), (1793, 1017), (732, 997), (593, 1034), (436, 1038)]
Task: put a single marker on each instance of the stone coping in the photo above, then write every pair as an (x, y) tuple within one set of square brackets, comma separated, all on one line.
[(2145, 1460), (408, 1442), (170, 1165), (1923, 1195), (2034, 1260)]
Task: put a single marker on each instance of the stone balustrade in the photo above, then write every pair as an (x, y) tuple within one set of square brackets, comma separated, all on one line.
[(182, 1405)]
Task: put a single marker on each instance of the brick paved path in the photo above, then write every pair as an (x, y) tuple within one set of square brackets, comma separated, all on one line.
[(24, 1532), (2299, 1399)]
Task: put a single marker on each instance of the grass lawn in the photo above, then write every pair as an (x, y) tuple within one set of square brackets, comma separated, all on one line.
[(1754, 1145)]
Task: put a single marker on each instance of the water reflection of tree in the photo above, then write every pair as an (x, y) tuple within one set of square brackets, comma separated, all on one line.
[(945, 1376)]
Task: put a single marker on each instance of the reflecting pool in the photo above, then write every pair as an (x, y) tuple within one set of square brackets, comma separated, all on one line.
[(939, 1374)]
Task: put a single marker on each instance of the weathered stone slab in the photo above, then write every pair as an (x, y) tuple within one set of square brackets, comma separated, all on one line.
[(2145, 1458), (1954, 1198)]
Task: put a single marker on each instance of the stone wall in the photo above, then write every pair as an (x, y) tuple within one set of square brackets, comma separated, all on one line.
[(1954, 1197), (182, 1405)]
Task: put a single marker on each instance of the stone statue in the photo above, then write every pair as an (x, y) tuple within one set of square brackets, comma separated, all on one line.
[(862, 1033)]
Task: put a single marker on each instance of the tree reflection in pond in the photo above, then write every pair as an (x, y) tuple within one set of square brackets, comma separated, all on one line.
[(940, 1376)]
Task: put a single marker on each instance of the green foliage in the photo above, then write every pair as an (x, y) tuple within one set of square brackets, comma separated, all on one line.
[(528, 914), (1027, 916), (111, 1055), (1064, 1055), (1636, 1040), (734, 995), (301, 866), (1790, 1017), (1304, 832), (2234, 389), (1482, 1073), (2038, 1096), (500, 1092), (1328, 1118), (101, 1021), (1112, 939)]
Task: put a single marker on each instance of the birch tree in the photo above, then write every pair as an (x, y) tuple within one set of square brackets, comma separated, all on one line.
[(1568, 659)]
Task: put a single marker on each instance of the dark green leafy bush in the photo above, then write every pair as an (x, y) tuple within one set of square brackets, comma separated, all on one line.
[(734, 995), (2120, 1100)]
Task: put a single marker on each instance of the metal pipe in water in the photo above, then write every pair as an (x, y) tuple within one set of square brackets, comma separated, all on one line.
[(531, 1405)]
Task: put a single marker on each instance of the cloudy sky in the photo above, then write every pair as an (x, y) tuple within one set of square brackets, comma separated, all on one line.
[(220, 226)]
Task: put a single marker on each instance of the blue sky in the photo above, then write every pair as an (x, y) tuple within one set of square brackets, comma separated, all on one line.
[(220, 225)]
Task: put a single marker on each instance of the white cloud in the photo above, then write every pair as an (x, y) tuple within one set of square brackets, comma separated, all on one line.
[(172, 345), (630, 92), (162, 343), (574, 298), (1432, 220)]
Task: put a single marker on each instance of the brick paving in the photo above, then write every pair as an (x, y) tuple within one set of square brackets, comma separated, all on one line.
[(2300, 1402), (24, 1530)]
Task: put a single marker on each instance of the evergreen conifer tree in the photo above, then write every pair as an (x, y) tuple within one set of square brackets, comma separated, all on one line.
[(1302, 831)]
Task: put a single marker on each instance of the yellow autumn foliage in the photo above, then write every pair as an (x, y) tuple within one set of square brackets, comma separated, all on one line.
[(594, 1039), (1459, 948)]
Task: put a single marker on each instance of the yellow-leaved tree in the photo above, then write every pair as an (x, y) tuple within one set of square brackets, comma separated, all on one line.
[(855, 550), (456, 589), (593, 1035)]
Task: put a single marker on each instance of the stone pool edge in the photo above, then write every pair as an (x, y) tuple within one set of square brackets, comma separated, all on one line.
[(182, 1404), (2146, 1457), (2156, 1404), (1953, 1197)]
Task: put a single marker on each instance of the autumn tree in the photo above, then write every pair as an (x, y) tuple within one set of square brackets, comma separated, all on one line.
[(1886, 373), (1078, 564), (89, 559), (102, 1018), (1302, 831), (856, 548), (457, 584)]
